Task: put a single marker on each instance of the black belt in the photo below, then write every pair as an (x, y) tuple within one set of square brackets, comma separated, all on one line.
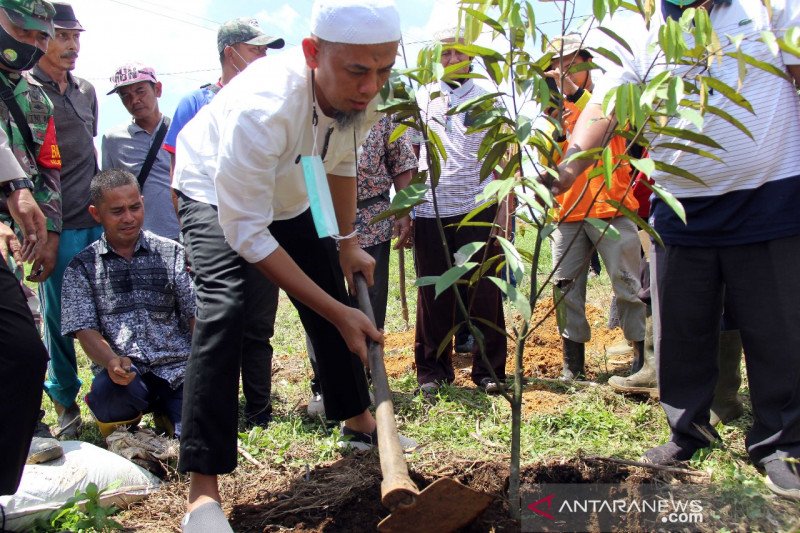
[(367, 202)]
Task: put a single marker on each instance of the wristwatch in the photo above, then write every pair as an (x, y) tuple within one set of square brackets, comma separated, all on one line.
[(13, 185)]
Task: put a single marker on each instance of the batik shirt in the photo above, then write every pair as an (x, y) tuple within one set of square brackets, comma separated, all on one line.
[(142, 307), (378, 163), (44, 166)]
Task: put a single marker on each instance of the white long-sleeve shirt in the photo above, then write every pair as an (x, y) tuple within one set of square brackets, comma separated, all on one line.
[(241, 151)]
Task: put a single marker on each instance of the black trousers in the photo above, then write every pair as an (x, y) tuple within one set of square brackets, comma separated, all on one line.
[(23, 361), (235, 318), (208, 441), (339, 373), (437, 316), (759, 286), (378, 298)]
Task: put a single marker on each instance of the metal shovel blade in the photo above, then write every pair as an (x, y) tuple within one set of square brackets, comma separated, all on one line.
[(445, 505)]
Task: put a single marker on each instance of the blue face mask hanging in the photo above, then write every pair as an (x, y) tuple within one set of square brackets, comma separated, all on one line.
[(316, 178), (319, 196)]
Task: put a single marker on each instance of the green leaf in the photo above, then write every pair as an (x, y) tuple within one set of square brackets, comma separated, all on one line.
[(689, 148), (714, 110), (473, 50), (622, 42), (727, 92), (513, 258), (686, 135), (466, 252), (514, 17), (438, 71), (436, 141), (515, 296), (768, 38), (448, 339), (493, 69), (471, 103), (524, 129), (547, 230), (452, 275), (394, 105), (693, 116), (608, 166), (403, 201), (530, 200), (668, 199), (603, 226), (646, 166), (608, 54), (790, 41), (766, 67), (531, 20), (674, 94), (492, 160), (424, 281), (621, 108), (677, 171), (398, 132), (638, 220), (649, 94), (496, 190), (486, 19), (599, 9)]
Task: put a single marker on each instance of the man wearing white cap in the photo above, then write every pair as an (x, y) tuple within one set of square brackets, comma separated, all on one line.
[(281, 132)]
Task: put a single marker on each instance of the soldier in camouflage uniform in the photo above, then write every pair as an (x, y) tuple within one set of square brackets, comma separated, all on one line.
[(25, 29), (42, 163)]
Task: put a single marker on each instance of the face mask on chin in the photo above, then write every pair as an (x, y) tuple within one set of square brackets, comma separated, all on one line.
[(16, 55), (246, 62)]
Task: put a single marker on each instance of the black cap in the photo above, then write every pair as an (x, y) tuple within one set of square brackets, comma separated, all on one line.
[(65, 18)]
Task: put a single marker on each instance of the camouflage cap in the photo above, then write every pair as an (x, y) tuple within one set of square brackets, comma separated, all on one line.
[(243, 30), (30, 14)]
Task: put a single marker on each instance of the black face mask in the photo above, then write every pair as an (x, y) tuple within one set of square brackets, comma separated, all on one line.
[(16, 55)]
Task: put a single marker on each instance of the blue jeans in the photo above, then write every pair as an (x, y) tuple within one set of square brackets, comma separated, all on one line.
[(62, 384), (147, 392)]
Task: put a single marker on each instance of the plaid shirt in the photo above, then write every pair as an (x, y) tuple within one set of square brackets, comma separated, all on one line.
[(141, 307), (378, 163)]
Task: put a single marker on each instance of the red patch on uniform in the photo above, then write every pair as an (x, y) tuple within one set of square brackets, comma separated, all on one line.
[(49, 154)]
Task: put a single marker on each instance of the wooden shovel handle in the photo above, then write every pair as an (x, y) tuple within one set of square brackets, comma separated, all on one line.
[(397, 487)]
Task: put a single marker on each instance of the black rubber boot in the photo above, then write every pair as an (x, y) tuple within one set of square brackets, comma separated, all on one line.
[(727, 406), (574, 356), (638, 356)]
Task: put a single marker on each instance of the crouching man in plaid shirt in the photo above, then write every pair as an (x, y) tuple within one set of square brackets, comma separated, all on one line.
[(128, 299)]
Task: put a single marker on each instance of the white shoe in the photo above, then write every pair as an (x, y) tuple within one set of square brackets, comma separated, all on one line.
[(365, 441), (316, 407)]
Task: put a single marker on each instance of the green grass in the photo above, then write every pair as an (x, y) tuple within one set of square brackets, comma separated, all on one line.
[(462, 421)]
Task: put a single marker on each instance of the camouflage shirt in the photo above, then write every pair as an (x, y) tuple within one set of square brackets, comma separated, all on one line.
[(43, 167)]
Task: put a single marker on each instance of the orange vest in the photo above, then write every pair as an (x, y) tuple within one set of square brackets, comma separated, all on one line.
[(581, 195)]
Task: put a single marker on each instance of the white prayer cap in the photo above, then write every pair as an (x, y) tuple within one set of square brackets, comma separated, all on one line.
[(356, 21)]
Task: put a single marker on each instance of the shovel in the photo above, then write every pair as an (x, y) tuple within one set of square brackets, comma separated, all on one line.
[(445, 505)]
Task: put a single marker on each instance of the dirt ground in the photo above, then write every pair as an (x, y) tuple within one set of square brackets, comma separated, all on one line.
[(541, 358), (344, 496)]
